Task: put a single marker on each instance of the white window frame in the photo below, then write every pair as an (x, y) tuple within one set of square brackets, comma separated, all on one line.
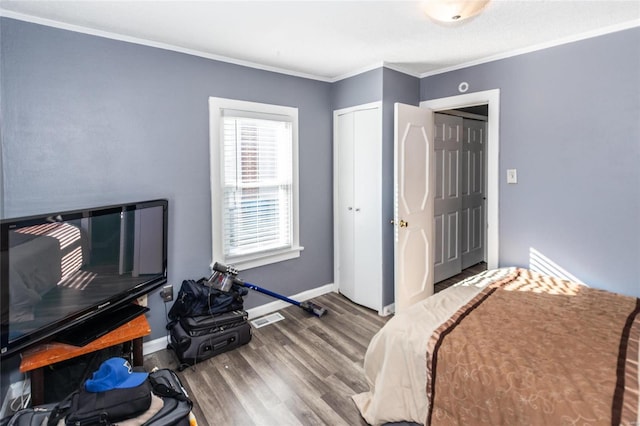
[(216, 149)]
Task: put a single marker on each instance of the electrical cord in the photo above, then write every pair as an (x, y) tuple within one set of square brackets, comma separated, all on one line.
[(23, 401), (166, 315)]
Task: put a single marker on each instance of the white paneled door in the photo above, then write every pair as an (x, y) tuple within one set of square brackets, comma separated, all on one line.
[(344, 175), (459, 206), (448, 135), (358, 205), (473, 192), (414, 184)]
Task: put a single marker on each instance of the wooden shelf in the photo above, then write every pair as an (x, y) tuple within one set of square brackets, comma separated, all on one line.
[(34, 359)]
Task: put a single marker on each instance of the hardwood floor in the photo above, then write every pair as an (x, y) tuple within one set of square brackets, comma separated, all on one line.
[(302, 370), (299, 371), (466, 273)]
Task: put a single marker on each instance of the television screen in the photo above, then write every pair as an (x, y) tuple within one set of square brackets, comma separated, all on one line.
[(60, 269)]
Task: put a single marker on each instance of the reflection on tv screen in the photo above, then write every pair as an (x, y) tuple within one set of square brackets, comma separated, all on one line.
[(62, 267)]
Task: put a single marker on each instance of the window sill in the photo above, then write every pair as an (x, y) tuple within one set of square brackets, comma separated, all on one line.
[(262, 259)]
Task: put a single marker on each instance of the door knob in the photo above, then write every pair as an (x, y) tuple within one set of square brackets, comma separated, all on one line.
[(402, 223)]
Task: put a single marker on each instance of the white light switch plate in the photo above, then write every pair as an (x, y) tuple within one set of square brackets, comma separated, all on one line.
[(512, 176)]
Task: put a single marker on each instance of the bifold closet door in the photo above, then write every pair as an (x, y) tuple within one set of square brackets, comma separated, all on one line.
[(460, 218), (359, 163), (473, 192), (344, 175), (448, 200), (367, 212)]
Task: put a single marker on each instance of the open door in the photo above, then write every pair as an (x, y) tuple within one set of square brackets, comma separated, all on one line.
[(414, 187)]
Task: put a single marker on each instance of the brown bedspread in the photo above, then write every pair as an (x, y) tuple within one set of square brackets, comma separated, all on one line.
[(533, 350)]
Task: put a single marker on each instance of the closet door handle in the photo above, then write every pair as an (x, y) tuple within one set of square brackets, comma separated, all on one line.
[(349, 208), (357, 209)]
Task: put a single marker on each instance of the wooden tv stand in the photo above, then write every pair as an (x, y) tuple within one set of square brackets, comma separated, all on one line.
[(38, 357)]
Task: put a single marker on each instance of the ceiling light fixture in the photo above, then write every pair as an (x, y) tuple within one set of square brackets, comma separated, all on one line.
[(453, 10)]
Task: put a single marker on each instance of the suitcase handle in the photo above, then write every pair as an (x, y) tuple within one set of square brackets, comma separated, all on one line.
[(222, 344)]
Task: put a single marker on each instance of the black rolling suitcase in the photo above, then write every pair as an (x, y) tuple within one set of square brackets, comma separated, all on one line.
[(196, 339), (207, 324)]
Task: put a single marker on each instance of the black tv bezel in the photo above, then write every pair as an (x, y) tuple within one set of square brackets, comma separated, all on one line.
[(48, 332)]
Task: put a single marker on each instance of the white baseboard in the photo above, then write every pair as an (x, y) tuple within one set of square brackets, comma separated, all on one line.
[(270, 307), (388, 310), (161, 343)]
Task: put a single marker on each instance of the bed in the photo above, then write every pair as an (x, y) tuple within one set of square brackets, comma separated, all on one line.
[(508, 346)]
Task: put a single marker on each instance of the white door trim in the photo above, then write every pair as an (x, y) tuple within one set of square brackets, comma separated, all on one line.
[(492, 98), (370, 105)]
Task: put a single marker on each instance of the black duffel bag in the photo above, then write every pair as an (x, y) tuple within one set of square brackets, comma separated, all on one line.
[(113, 394), (196, 298), (109, 407)]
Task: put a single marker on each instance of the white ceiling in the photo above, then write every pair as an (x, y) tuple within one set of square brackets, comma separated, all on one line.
[(329, 40)]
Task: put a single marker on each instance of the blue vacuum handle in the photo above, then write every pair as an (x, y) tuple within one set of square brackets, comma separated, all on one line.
[(231, 272), (269, 293)]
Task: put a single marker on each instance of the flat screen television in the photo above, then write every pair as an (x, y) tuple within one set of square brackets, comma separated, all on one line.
[(75, 274)]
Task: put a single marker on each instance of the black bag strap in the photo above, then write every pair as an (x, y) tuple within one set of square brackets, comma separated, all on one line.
[(61, 409), (99, 419), (166, 391)]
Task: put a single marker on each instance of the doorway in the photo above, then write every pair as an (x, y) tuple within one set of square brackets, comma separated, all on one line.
[(459, 205), (490, 98)]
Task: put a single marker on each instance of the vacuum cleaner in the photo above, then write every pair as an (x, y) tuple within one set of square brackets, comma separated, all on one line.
[(224, 277)]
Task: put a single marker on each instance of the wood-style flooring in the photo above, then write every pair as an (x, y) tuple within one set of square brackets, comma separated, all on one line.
[(301, 370), (469, 272)]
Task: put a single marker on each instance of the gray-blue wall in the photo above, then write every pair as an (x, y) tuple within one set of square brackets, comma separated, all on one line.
[(570, 125), (89, 121), (360, 89)]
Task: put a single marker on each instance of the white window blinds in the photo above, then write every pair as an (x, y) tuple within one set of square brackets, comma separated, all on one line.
[(254, 183), (257, 183)]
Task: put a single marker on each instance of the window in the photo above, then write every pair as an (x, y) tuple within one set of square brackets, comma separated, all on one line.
[(254, 182)]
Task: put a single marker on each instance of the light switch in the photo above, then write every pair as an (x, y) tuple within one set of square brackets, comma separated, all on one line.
[(512, 176)]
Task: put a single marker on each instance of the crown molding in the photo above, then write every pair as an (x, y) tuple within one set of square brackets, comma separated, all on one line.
[(165, 46), (158, 45), (566, 40)]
